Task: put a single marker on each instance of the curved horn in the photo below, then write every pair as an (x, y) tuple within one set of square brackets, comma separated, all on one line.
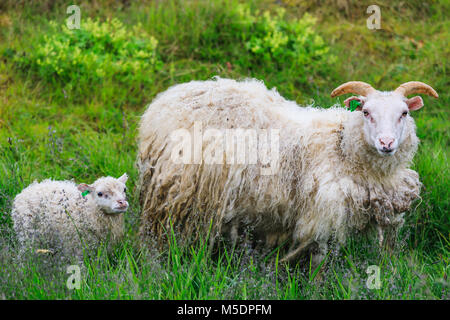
[(416, 87), (357, 87)]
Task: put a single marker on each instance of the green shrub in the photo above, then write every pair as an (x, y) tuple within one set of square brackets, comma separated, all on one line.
[(95, 52), (265, 43), (275, 39)]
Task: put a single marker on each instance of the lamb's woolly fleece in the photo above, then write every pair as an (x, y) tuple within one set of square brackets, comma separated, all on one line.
[(53, 215), (329, 180)]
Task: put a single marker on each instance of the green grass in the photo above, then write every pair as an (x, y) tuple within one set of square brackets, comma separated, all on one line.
[(83, 130)]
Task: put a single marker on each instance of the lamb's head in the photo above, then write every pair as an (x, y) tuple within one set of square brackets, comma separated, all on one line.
[(385, 114), (108, 193)]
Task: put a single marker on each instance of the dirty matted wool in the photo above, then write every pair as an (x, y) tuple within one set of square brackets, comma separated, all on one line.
[(328, 181)]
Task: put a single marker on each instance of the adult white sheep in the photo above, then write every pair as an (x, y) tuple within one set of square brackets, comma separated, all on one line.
[(335, 170), (66, 218)]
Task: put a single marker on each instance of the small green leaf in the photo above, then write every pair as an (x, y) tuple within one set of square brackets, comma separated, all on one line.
[(354, 104)]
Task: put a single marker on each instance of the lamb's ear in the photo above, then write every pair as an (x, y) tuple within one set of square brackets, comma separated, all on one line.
[(83, 187), (414, 103), (361, 101), (123, 178)]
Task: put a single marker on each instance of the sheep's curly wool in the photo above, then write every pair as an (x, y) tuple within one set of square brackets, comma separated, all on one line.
[(329, 182), (53, 215)]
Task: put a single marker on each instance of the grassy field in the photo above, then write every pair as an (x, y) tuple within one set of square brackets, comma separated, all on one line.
[(65, 122)]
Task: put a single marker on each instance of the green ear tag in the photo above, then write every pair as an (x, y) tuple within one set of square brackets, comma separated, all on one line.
[(354, 104), (84, 193)]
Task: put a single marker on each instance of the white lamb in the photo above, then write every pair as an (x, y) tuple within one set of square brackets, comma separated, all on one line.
[(333, 170), (66, 218)]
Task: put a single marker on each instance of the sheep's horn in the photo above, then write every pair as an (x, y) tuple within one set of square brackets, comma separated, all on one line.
[(357, 87), (416, 87)]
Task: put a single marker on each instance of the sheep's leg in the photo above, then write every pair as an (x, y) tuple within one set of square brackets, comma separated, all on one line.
[(392, 232), (294, 254), (317, 258), (387, 234), (389, 207), (234, 234), (380, 235), (335, 252)]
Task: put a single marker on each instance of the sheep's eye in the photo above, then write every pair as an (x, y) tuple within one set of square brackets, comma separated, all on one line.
[(125, 190), (404, 114), (365, 113), (100, 194)]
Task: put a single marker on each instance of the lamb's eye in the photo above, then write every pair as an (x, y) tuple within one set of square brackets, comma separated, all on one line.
[(404, 114), (365, 113), (125, 190), (100, 194)]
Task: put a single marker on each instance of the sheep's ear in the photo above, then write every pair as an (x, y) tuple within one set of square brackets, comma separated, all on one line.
[(361, 101), (414, 103), (83, 187), (123, 178)]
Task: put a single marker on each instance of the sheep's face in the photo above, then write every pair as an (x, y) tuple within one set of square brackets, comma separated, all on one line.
[(385, 116), (109, 193)]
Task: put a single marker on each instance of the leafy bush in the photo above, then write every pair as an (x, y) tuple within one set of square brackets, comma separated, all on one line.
[(267, 42), (275, 39), (93, 53)]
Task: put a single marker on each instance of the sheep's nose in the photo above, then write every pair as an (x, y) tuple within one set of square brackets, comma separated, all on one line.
[(122, 203), (386, 143)]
